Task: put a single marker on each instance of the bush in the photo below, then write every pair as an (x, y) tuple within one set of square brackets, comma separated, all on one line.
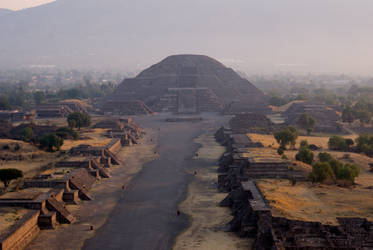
[(27, 134), (66, 133), (284, 157), (286, 136), (51, 142), (307, 122), (78, 120), (325, 157), (9, 174), (364, 144), (339, 170), (337, 143), (280, 151), (304, 154), (321, 171)]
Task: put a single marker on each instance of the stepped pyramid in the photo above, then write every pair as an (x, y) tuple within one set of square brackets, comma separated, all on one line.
[(190, 84)]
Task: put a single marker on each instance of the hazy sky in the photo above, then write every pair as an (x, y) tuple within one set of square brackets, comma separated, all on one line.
[(21, 4)]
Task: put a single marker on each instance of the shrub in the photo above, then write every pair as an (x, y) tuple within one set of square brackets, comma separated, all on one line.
[(280, 151), (286, 136), (51, 142), (337, 143), (339, 170), (67, 133), (304, 143), (325, 157), (321, 171), (307, 122), (78, 120), (364, 144), (304, 154), (27, 134), (9, 174)]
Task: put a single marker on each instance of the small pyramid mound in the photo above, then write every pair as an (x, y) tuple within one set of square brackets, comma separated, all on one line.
[(190, 84)]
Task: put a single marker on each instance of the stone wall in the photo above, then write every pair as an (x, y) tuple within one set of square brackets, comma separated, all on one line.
[(21, 233)]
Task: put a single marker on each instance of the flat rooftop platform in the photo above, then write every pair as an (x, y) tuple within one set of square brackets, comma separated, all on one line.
[(319, 203), (25, 194)]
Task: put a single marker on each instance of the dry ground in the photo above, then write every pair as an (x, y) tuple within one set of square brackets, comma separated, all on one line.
[(270, 141), (323, 203), (94, 137), (9, 216), (207, 218)]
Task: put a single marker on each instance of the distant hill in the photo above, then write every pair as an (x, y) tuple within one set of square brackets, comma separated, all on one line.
[(106, 33), (5, 11)]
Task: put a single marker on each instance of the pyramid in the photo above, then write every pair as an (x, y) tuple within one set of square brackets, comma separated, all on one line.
[(190, 84)]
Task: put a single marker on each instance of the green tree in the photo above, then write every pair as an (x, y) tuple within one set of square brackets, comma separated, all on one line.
[(286, 136), (27, 134), (307, 122), (66, 133), (321, 171), (304, 154), (337, 143), (325, 157), (9, 174), (78, 120), (364, 143), (348, 115), (51, 142)]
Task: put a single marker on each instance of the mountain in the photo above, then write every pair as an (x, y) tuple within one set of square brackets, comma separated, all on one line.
[(190, 82), (5, 11), (258, 34)]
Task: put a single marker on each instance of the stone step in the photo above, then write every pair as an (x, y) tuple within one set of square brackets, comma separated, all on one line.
[(63, 215)]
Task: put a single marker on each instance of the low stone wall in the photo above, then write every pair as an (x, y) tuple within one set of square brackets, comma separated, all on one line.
[(21, 233), (114, 146)]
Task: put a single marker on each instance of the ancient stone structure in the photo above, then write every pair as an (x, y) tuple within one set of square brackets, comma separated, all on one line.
[(251, 123), (253, 218), (125, 107), (188, 84), (326, 116), (53, 110), (16, 115), (245, 160), (240, 166), (44, 196), (21, 233)]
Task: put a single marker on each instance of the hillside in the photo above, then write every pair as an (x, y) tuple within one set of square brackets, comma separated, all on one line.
[(120, 33)]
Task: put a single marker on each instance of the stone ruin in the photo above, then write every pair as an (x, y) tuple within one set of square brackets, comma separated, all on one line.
[(327, 117), (44, 196), (246, 160), (251, 123), (187, 84), (253, 218), (240, 166)]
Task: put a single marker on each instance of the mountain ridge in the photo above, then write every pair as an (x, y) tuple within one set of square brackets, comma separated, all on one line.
[(96, 33)]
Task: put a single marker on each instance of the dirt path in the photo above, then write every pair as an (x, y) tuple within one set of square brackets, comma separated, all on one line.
[(106, 194), (208, 220), (146, 217)]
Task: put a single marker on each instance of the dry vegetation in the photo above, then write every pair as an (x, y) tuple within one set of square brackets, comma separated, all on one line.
[(9, 216), (270, 141), (323, 203), (93, 137)]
